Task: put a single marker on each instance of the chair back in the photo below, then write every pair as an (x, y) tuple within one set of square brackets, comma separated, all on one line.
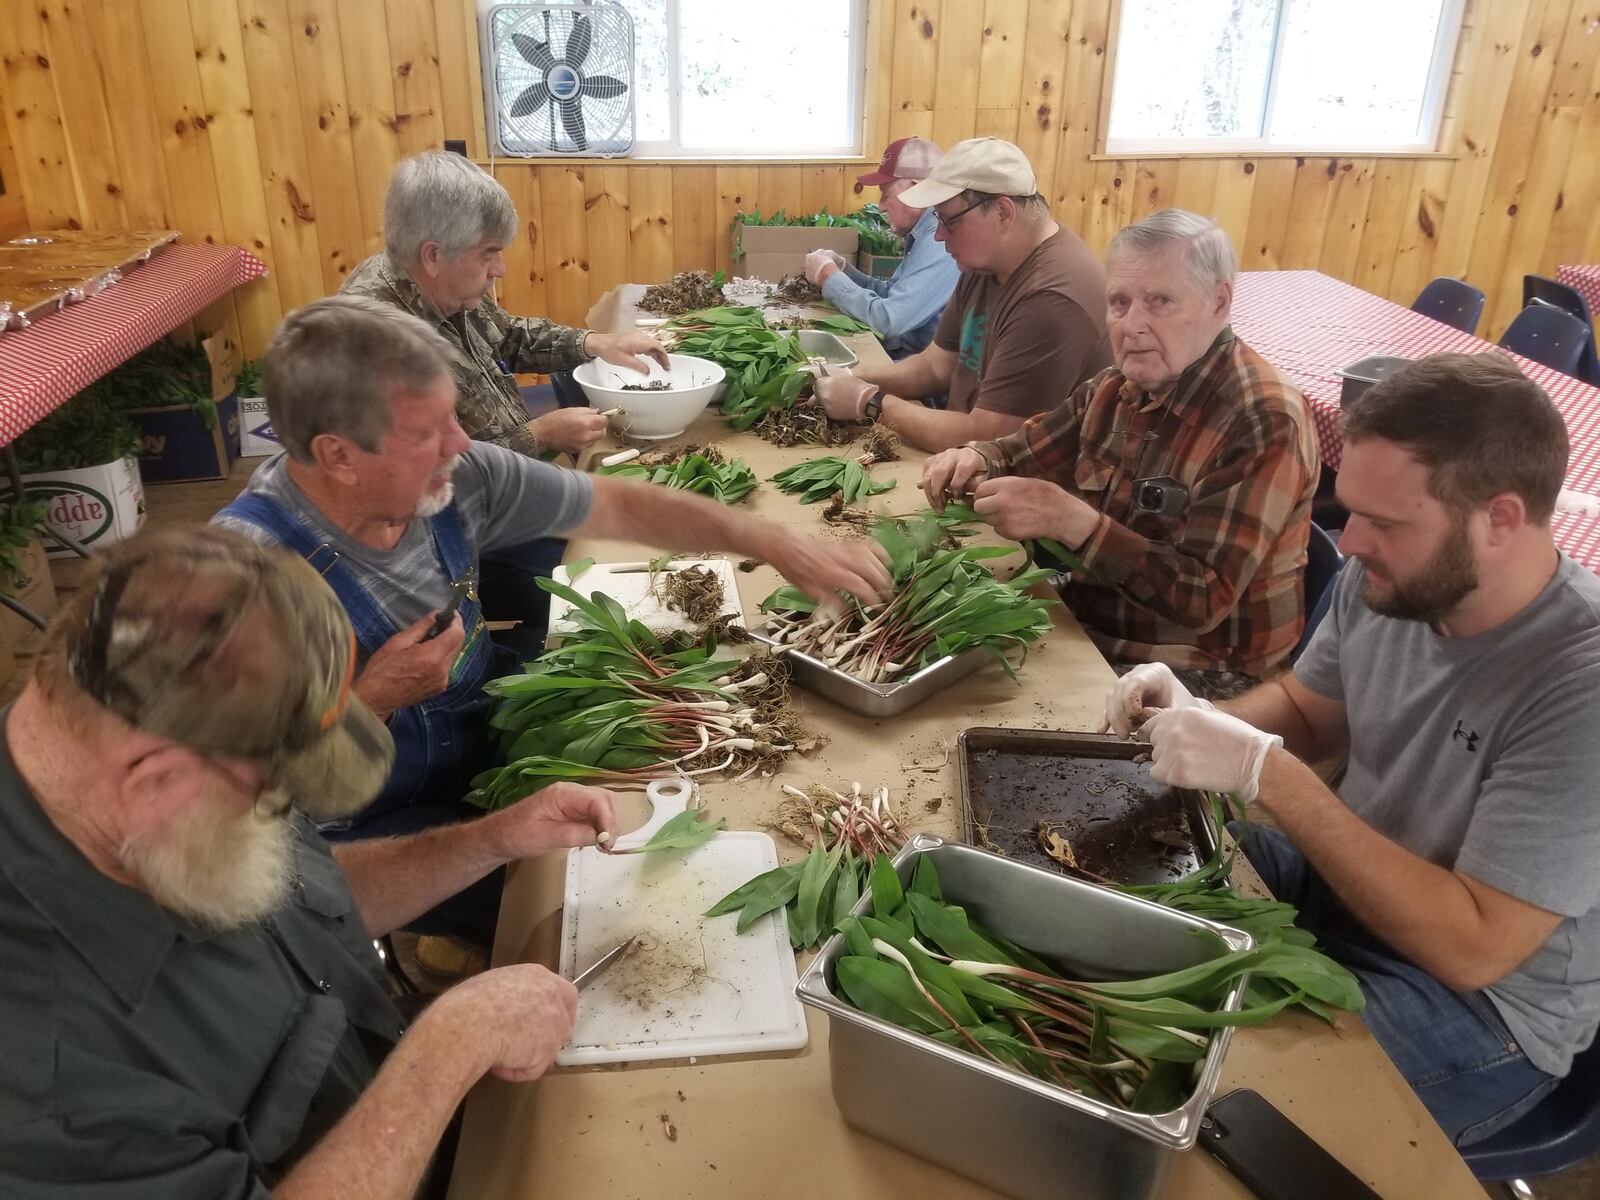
[(1451, 301), (1323, 563), (1549, 336), (1559, 1132)]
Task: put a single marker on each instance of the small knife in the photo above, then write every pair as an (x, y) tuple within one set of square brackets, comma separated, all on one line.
[(587, 976)]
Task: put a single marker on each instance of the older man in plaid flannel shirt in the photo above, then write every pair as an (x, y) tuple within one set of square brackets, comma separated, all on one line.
[(1181, 477)]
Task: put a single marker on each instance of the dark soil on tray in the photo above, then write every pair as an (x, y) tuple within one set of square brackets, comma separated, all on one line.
[(1112, 818)]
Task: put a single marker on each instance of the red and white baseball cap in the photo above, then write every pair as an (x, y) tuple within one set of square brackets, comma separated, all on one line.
[(908, 158)]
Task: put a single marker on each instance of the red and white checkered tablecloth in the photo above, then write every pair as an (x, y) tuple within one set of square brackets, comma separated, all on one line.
[(60, 355), (1309, 325), (1586, 279)]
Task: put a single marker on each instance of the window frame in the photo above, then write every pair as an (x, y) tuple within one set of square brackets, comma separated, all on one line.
[(672, 150), (1446, 46)]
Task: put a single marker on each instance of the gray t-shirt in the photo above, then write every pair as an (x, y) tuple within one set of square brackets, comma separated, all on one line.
[(1479, 754), (505, 500)]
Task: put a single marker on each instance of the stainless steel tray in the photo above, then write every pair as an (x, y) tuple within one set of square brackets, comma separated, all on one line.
[(875, 699), (1017, 1134), (1096, 787), (830, 347)]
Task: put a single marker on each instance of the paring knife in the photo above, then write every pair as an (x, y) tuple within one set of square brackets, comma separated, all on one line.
[(587, 976)]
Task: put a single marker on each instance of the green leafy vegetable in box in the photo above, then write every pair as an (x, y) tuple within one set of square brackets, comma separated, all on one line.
[(86, 431), (19, 524), (869, 222), (249, 379), (165, 374)]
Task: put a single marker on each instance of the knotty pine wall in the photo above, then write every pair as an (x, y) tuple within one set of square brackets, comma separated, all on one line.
[(274, 124)]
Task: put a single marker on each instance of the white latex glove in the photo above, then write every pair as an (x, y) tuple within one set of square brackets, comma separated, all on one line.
[(844, 396), (1208, 750), (1149, 685), (817, 263)]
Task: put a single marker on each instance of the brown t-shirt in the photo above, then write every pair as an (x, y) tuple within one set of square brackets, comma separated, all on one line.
[(1022, 347)]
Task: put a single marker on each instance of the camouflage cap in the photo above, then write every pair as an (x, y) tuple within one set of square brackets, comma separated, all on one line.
[(208, 639)]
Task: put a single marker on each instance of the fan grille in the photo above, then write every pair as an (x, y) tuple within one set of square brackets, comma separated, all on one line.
[(562, 81)]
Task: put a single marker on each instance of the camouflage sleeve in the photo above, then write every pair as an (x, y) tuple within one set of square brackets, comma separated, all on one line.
[(522, 439), (532, 343)]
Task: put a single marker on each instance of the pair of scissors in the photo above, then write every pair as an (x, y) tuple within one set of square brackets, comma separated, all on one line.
[(588, 975)]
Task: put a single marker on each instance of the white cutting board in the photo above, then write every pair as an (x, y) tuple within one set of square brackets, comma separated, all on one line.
[(631, 589), (693, 987)]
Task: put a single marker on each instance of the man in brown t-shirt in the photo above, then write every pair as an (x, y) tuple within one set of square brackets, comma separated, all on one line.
[(1026, 324)]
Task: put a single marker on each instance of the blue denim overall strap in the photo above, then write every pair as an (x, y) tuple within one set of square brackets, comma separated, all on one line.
[(441, 742)]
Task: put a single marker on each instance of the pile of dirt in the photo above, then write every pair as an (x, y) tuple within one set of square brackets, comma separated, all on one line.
[(684, 292)]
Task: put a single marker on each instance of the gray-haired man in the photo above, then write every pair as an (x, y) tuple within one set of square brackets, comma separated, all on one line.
[(446, 224)]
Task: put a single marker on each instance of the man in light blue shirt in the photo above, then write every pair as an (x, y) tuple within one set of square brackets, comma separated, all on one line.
[(904, 309)]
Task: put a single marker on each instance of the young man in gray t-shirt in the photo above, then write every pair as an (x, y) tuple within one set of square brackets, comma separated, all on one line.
[(1458, 668)]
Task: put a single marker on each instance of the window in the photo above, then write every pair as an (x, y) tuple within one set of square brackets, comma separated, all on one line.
[(727, 77), (1292, 75)]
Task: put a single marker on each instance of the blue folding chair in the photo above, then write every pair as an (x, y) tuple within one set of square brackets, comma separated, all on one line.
[(1323, 562), (1549, 336), (1536, 289), (1451, 301), (1559, 1132)]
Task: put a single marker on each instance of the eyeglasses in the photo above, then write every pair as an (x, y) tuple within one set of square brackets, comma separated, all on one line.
[(945, 223)]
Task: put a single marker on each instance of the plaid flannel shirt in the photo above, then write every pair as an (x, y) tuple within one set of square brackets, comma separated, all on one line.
[(1218, 586), (493, 346)]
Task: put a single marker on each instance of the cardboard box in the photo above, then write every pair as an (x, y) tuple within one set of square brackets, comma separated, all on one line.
[(8, 657), (879, 266), (256, 438), (94, 505), (34, 588), (772, 251), (176, 445)]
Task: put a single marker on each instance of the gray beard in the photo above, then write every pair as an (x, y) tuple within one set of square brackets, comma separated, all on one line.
[(221, 869)]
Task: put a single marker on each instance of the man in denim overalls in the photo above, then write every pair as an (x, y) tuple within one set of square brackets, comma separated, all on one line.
[(390, 501)]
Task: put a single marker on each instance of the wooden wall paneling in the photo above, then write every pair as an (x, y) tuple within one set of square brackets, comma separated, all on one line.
[(1575, 232), (818, 188), (608, 226), (1195, 187), (414, 61), (1301, 243), (878, 85), (346, 231), (779, 190), (561, 193), (33, 114), (1577, 57), (1536, 212), (456, 38), (523, 290), (1388, 210), (135, 129), (913, 68), (231, 130), (652, 215), (1110, 202), (904, 123), (955, 98), (75, 57), (13, 208), (1042, 94), (737, 189), (362, 30), (1270, 195), (1155, 182), (1000, 56), (1080, 115), (1234, 198), (293, 199), (696, 235), (1521, 124), (1493, 57), (195, 208), (1347, 217)]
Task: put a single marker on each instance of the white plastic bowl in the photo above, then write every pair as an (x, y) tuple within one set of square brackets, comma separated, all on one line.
[(652, 416)]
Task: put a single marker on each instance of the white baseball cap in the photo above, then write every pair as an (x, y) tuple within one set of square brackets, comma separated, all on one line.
[(987, 164)]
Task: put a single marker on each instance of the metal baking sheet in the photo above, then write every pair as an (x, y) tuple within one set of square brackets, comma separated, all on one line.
[(875, 699), (1096, 788)]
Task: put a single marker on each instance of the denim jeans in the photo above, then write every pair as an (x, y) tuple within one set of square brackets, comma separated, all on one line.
[(1452, 1047)]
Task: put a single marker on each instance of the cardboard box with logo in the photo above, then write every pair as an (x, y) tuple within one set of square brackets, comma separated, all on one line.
[(25, 577), (177, 442), (772, 251), (93, 505), (256, 438)]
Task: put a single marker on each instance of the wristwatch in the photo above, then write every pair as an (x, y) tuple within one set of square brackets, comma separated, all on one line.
[(873, 408)]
